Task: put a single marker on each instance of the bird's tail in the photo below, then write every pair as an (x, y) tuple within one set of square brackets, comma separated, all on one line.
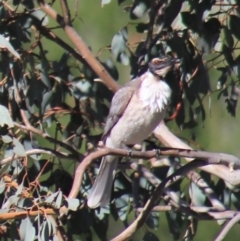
[(101, 190)]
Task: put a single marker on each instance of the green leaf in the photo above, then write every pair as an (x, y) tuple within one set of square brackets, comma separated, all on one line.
[(198, 198), (18, 148), (28, 146), (124, 33), (104, 2), (26, 203), (150, 236), (227, 52), (141, 27), (44, 232), (121, 205), (234, 23), (7, 139), (118, 44), (47, 97), (51, 198), (124, 59), (51, 225), (11, 201), (139, 9), (2, 186), (73, 203), (226, 37), (82, 89), (100, 214), (5, 117), (59, 200), (5, 169), (5, 44), (27, 230), (153, 220), (19, 190), (41, 16), (190, 21)]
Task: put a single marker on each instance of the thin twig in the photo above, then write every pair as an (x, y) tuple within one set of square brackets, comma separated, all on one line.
[(29, 127), (37, 151)]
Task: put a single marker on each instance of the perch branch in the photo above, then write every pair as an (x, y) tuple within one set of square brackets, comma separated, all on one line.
[(210, 158)]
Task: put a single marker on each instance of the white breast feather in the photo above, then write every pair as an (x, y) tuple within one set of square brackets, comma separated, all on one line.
[(154, 93)]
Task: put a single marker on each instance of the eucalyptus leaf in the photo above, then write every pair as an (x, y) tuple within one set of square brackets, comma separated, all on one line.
[(2, 186), (5, 117), (5, 44), (18, 148), (27, 230), (73, 203), (7, 139), (105, 2)]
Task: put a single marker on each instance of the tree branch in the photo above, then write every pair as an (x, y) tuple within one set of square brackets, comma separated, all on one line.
[(24, 214), (37, 151), (166, 137), (29, 127), (227, 227), (81, 47), (210, 158)]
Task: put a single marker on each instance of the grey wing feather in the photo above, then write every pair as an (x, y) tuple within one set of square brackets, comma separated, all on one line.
[(119, 104)]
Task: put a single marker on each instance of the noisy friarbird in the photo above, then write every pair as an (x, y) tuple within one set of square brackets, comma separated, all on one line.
[(136, 110)]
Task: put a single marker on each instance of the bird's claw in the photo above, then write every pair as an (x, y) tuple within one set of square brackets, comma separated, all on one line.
[(129, 155), (157, 153)]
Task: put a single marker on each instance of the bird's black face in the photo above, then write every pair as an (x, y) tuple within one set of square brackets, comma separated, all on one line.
[(161, 66)]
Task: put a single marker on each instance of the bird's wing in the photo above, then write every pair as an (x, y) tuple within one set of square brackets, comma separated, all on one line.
[(119, 104)]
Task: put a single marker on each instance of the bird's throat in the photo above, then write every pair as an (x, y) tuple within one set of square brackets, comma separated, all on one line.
[(154, 93)]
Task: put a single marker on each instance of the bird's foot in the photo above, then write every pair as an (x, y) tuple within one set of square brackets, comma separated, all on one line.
[(158, 153), (129, 151)]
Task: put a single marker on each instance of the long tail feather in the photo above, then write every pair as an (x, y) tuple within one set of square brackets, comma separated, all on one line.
[(101, 190)]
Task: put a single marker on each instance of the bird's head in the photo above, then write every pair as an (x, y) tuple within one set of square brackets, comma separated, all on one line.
[(161, 66)]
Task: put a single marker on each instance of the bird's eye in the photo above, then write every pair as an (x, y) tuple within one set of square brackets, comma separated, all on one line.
[(156, 61)]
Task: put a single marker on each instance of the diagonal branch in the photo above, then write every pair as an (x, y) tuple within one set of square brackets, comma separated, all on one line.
[(81, 47), (166, 137), (227, 227)]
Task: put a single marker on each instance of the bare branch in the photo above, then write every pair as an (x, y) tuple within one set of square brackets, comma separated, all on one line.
[(29, 127), (24, 214), (209, 213), (37, 151)]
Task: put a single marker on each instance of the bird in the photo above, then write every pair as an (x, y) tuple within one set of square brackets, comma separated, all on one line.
[(136, 110)]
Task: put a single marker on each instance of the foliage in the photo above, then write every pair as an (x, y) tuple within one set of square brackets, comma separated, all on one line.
[(53, 110)]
